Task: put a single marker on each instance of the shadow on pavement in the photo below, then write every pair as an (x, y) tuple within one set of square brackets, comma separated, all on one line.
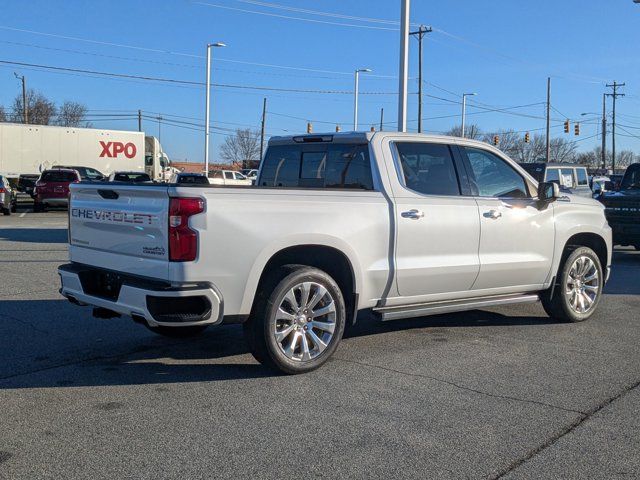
[(34, 235), (118, 352), (625, 273)]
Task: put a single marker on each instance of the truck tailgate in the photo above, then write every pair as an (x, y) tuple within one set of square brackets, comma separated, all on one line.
[(120, 227)]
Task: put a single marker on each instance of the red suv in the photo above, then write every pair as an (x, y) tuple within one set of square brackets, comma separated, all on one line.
[(52, 188)]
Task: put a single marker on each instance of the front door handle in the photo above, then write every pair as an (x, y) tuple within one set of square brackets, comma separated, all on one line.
[(413, 213), (494, 214)]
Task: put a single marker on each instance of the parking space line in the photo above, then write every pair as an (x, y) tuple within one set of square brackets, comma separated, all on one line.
[(23, 214)]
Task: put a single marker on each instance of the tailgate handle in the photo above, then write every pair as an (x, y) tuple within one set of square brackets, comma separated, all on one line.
[(108, 194)]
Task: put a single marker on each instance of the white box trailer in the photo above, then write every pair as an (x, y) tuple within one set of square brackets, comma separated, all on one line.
[(30, 149)]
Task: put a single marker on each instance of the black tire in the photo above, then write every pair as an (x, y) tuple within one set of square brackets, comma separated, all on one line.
[(178, 332), (14, 208), (6, 211), (558, 306), (37, 207), (260, 329)]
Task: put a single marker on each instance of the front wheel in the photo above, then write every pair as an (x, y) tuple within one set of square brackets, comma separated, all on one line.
[(6, 211), (298, 321), (578, 287)]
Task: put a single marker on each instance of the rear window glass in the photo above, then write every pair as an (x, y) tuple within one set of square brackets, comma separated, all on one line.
[(131, 177), (58, 176), (317, 166), (194, 179), (583, 178)]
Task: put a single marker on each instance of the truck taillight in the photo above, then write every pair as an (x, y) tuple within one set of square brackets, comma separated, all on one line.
[(183, 241), (2, 190)]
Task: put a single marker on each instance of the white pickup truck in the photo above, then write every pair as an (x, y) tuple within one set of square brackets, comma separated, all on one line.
[(402, 225)]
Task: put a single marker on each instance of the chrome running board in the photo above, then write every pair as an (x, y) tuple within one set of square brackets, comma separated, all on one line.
[(435, 308)]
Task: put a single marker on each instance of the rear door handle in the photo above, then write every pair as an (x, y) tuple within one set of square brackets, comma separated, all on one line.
[(413, 213), (494, 214)]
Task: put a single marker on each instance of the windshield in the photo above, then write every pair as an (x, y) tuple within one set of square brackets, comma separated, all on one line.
[(631, 178)]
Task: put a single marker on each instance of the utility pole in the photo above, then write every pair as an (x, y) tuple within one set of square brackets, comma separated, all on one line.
[(25, 108), (139, 120), (264, 118), (355, 95), (381, 118), (420, 33), (604, 131), (159, 127), (404, 65), (615, 95), (548, 119)]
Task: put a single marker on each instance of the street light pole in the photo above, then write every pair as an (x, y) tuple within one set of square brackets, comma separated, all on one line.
[(355, 96), (464, 111), (207, 105), (404, 65)]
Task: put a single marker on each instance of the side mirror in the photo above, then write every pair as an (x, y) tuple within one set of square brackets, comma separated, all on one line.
[(548, 191)]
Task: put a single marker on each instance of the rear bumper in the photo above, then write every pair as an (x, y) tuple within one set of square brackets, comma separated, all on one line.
[(159, 304), (59, 201)]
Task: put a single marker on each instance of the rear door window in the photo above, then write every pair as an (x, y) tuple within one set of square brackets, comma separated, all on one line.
[(428, 168), (228, 175), (317, 166)]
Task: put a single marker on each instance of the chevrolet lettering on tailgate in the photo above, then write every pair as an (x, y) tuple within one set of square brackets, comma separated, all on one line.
[(109, 216)]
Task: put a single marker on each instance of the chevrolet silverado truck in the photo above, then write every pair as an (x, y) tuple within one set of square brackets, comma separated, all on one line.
[(400, 225), (622, 208)]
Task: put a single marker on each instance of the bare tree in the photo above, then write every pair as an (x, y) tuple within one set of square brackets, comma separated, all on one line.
[(562, 150), (3, 115), (473, 131), (508, 141), (41, 110), (625, 158), (243, 147), (71, 114)]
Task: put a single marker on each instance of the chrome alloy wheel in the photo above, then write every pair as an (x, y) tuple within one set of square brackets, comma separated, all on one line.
[(583, 284), (305, 321)]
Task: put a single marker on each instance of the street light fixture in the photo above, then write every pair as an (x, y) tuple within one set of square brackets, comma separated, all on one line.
[(355, 96), (207, 102), (464, 109)]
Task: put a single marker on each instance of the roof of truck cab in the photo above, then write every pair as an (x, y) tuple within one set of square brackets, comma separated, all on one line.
[(358, 137)]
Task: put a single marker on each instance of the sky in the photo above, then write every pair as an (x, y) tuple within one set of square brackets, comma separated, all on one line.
[(305, 52)]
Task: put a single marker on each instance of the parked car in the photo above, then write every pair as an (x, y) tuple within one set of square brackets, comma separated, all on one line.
[(400, 225), (250, 173), (8, 197), (26, 184), (131, 177), (622, 208), (52, 188), (570, 177), (228, 177), (87, 174), (193, 178)]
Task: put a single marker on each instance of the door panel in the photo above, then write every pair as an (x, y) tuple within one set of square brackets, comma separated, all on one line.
[(516, 243), (437, 253), (438, 230)]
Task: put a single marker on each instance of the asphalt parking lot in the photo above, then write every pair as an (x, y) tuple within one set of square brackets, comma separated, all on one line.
[(485, 394)]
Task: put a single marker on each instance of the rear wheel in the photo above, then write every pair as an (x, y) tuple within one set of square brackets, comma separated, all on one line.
[(6, 211), (578, 287), (178, 332), (298, 321), (38, 207)]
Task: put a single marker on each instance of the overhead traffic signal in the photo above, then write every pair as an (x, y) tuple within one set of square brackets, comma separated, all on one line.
[(566, 126), (496, 139), (309, 127), (576, 129), (527, 137)]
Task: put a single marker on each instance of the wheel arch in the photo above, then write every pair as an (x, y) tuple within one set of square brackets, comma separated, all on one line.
[(591, 240), (336, 260)]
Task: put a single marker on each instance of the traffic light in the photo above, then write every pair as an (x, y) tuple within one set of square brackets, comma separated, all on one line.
[(576, 129), (527, 137), (373, 129), (566, 126), (309, 127), (496, 139), (337, 128)]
